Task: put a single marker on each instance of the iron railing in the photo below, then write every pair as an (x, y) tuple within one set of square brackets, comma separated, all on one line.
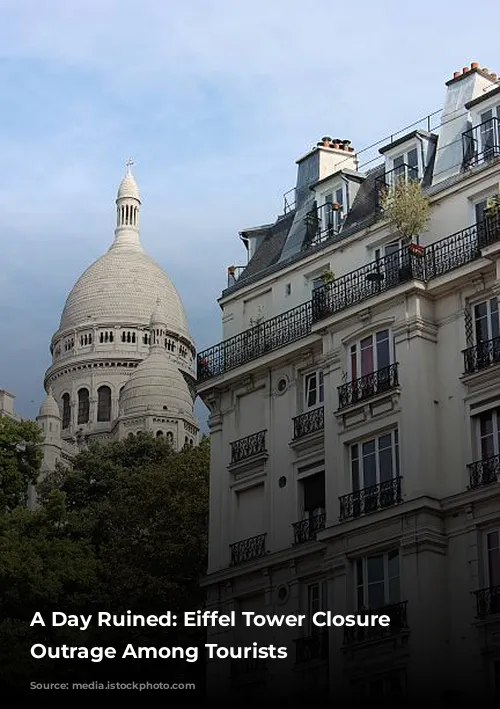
[(309, 422), (481, 143), (313, 647), (353, 288), (323, 223), (371, 499), (307, 529), (487, 601), (484, 472), (251, 344), (248, 549), (369, 385), (482, 356), (405, 265), (247, 447), (398, 622)]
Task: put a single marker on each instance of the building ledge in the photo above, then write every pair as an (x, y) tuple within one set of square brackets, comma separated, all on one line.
[(249, 464)]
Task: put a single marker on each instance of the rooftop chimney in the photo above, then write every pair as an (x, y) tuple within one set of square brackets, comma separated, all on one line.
[(328, 156)]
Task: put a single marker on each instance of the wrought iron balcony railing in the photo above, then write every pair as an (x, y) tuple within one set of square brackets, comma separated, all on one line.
[(484, 472), (307, 529), (365, 387), (405, 172), (371, 499), (488, 601), (323, 223), (399, 622), (309, 422), (247, 667), (247, 447), (248, 549), (481, 143), (253, 343), (482, 356), (313, 647), (353, 288)]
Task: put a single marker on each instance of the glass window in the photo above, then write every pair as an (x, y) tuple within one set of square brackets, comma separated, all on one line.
[(83, 406), (371, 354), (104, 404), (378, 580), (493, 558), (486, 320), (375, 461), (313, 390)]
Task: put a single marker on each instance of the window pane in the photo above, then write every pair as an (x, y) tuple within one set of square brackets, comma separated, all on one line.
[(393, 564), (321, 388), (495, 330), (383, 350), (375, 568), (386, 465), (481, 322), (412, 158), (494, 567), (376, 595), (366, 356), (486, 435), (369, 464)]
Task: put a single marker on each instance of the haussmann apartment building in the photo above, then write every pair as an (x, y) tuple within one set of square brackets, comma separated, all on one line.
[(355, 419)]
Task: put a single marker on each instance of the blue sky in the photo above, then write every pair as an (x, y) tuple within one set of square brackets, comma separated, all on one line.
[(214, 100)]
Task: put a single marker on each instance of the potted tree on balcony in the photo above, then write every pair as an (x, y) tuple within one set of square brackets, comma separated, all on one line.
[(407, 209)]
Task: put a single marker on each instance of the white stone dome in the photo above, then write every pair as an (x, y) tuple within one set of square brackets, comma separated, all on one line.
[(49, 406), (157, 385), (123, 286)]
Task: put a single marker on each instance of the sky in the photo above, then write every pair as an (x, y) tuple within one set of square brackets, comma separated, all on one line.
[(214, 100)]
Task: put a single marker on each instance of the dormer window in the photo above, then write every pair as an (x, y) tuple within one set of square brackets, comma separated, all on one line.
[(333, 210), (405, 166), (489, 139)]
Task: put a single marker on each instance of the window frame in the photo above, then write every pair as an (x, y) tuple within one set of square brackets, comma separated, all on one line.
[(335, 194), (356, 349), (322, 602), (319, 378), (413, 147), (495, 423), (489, 319), (365, 584), (395, 459), (486, 561)]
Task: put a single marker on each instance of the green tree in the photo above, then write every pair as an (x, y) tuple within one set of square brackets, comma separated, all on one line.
[(406, 208), (20, 460)]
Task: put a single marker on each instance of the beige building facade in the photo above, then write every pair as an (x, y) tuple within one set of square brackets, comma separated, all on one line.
[(355, 420)]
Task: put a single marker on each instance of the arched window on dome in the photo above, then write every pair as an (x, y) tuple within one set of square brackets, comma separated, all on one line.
[(104, 404), (83, 406), (66, 407), (170, 438), (159, 434)]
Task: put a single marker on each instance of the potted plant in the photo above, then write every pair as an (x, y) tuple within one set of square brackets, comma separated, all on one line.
[(327, 276), (407, 209)]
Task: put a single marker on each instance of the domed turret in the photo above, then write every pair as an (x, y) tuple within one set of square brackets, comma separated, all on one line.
[(106, 332), (49, 407)]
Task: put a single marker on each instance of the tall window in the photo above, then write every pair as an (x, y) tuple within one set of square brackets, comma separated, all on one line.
[(104, 404), (66, 416), (83, 406), (406, 166), (371, 354), (377, 580), (493, 558), (375, 461), (312, 490), (333, 216), (489, 433), (489, 134), (313, 390), (486, 320), (317, 601)]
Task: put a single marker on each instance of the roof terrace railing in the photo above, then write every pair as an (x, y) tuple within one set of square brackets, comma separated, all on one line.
[(410, 263)]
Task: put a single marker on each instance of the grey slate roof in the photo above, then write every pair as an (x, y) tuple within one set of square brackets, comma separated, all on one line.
[(283, 243)]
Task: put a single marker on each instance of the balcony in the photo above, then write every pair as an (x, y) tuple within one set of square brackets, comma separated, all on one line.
[(248, 549), (370, 385), (309, 422), (354, 288), (255, 342), (405, 172), (370, 499), (488, 601), (248, 447), (309, 649), (322, 223), (398, 623), (482, 356), (484, 472), (307, 529), (481, 143)]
